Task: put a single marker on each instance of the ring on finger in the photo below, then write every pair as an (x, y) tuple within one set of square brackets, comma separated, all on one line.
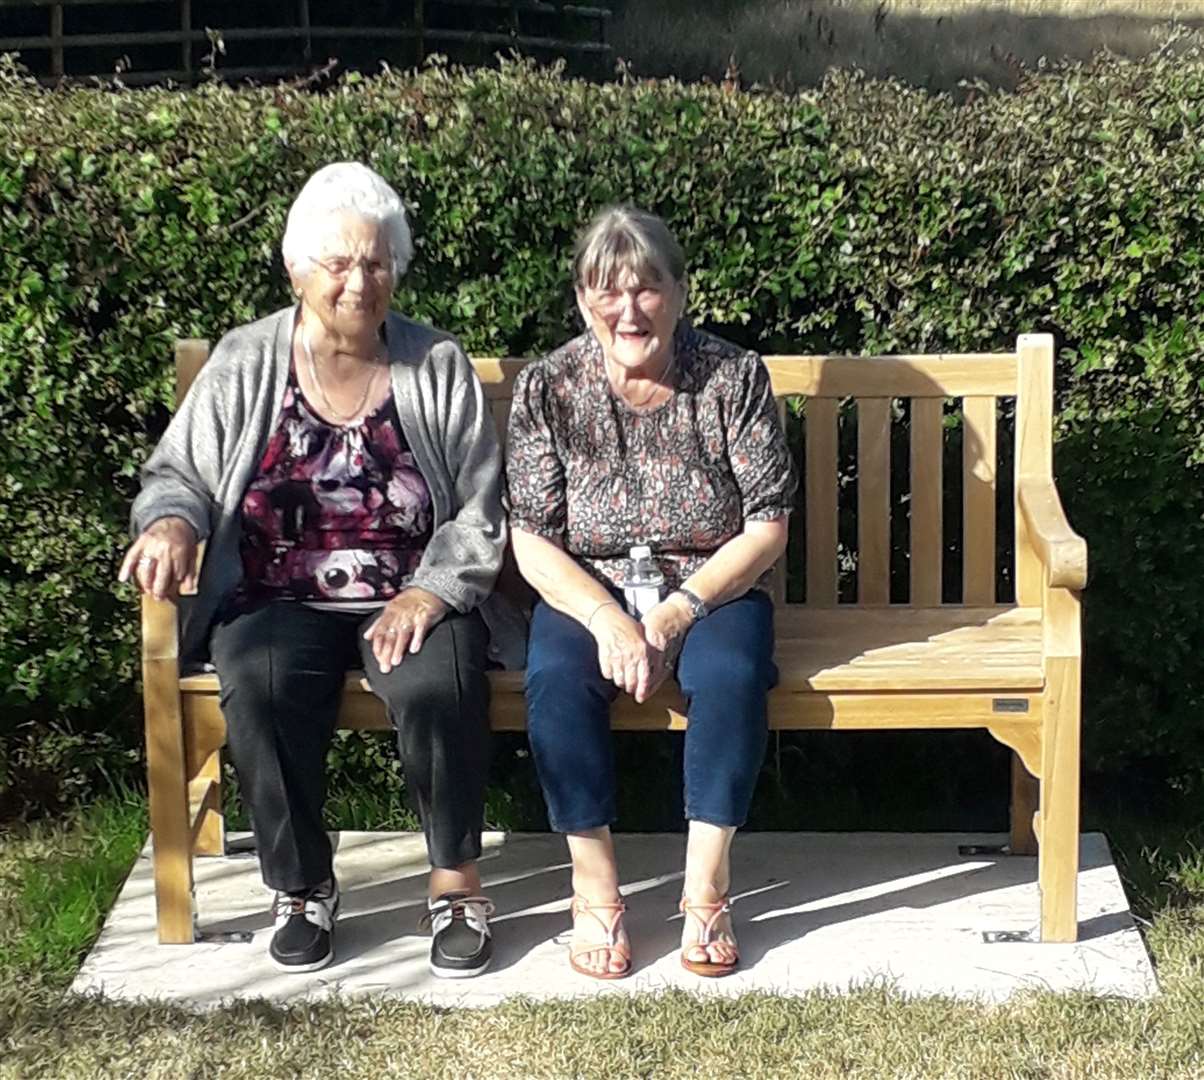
[(146, 560), (392, 631)]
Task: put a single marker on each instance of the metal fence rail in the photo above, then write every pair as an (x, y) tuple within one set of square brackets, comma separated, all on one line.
[(183, 41)]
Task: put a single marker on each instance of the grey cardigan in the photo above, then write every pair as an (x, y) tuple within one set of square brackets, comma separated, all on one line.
[(211, 449)]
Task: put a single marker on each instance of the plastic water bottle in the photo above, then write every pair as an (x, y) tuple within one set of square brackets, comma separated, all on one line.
[(642, 589)]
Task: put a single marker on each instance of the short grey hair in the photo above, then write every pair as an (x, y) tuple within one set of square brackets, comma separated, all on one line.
[(622, 238), (354, 188)]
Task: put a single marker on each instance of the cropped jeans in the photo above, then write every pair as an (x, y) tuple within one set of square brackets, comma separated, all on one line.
[(725, 670)]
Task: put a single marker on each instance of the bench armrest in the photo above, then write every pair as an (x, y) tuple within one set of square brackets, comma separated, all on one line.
[(160, 629), (1061, 550)]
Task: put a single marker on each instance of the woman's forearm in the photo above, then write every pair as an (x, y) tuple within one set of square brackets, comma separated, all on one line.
[(738, 564), (558, 577)]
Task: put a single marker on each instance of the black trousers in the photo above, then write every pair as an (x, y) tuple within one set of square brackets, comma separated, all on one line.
[(282, 668)]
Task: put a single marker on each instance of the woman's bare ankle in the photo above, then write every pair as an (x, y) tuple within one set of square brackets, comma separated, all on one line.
[(596, 888), (704, 890), (463, 878)]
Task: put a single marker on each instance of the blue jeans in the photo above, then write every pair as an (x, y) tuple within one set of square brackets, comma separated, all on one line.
[(725, 670)]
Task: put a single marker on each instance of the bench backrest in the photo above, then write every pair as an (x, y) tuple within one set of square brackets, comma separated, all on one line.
[(915, 406)]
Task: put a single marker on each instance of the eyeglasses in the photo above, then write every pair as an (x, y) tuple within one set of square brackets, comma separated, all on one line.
[(339, 267), (612, 301)]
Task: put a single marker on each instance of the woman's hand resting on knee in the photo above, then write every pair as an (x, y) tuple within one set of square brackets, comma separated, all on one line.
[(403, 625), (625, 656)]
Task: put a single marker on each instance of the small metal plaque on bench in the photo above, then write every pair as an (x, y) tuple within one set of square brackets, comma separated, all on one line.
[(1009, 704), (997, 937)]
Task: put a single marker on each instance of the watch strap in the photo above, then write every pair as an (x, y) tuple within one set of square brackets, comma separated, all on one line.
[(697, 607)]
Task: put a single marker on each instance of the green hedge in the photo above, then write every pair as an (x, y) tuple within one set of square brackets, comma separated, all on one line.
[(863, 217)]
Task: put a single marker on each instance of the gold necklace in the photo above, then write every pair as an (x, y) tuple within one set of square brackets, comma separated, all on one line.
[(342, 418), (657, 385)]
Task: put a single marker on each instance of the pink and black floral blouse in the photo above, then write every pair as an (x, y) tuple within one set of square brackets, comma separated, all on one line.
[(334, 513), (682, 477)]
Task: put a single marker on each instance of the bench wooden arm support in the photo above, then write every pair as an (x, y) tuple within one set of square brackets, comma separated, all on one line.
[(167, 774), (1063, 553), (183, 776)]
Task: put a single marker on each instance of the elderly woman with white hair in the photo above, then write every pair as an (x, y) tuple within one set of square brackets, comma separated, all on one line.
[(650, 486), (342, 464)]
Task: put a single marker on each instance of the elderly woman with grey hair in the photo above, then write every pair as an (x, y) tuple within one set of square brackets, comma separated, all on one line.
[(650, 486), (342, 463)]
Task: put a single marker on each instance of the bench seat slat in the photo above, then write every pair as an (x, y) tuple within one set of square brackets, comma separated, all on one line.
[(852, 649), (788, 711)]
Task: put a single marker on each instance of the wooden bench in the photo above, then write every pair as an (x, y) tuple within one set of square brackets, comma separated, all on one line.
[(1013, 669)]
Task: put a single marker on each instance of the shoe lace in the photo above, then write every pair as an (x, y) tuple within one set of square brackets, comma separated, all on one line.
[(286, 905), (455, 905)]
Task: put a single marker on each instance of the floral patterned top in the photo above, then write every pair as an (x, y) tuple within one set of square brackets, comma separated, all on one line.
[(682, 477), (335, 514)]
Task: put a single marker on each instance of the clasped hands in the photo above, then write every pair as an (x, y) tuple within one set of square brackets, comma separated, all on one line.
[(638, 655)]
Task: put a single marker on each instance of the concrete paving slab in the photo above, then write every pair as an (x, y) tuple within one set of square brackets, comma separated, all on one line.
[(832, 910)]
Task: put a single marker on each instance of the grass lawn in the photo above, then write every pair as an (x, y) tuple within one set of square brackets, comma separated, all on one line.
[(56, 881)]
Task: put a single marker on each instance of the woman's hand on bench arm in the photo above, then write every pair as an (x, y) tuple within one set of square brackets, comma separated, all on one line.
[(162, 561), (403, 624)]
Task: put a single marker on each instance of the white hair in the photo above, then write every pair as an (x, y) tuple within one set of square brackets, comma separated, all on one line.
[(354, 188)]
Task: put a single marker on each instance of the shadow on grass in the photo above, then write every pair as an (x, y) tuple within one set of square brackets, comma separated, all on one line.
[(790, 44)]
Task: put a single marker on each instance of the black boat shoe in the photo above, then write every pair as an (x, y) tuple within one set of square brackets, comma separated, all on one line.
[(461, 943), (304, 937)]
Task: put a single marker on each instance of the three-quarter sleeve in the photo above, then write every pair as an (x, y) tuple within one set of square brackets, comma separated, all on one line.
[(534, 471), (756, 444)]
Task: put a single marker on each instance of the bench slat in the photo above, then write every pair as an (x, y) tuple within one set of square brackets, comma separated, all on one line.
[(873, 500), (933, 375), (500, 407), (778, 584), (820, 493), (788, 711), (904, 648), (851, 648), (982, 374), (925, 509), (191, 354), (978, 500)]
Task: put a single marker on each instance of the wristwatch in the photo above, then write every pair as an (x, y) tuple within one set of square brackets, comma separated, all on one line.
[(697, 608)]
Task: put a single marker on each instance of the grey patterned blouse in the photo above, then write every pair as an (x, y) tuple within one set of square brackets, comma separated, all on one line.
[(682, 477)]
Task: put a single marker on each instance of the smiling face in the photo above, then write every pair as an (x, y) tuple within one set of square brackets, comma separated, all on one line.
[(633, 320), (349, 281)]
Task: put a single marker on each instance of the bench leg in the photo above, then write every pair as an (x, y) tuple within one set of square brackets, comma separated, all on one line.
[(170, 827), (211, 837), (1025, 795), (1058, 854)]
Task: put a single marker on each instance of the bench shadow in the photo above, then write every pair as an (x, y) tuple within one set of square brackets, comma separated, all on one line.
[(847, 878)]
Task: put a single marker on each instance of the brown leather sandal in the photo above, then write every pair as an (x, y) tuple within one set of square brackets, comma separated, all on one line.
[(707, 915), (611, 925)]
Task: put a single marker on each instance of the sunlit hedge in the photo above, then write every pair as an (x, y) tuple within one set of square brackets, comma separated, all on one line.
[(863, 217)]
